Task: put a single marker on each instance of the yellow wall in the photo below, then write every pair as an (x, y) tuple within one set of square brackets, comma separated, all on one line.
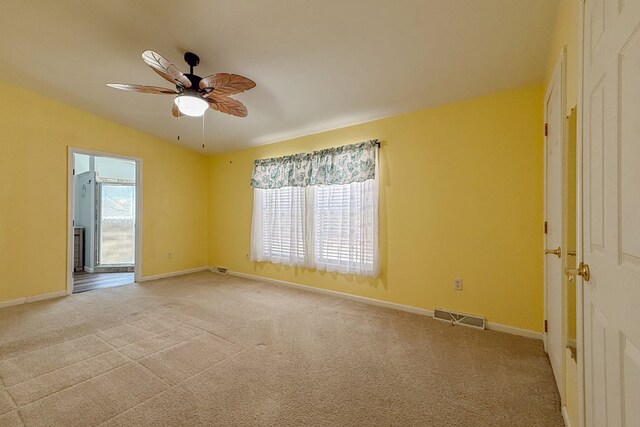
[(460, 196), (34, 135)]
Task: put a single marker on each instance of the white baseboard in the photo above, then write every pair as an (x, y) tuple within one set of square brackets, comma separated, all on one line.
[(565, 417), (12, 302), (57, 294), (394, 306), (49, 295), (172, 274), (499, 327), (34, 298)]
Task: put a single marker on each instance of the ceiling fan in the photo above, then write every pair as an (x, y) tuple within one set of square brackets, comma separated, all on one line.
[(194, 93)]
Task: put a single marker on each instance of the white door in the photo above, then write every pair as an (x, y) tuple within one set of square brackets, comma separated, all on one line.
[(611, 211), (553, 217)]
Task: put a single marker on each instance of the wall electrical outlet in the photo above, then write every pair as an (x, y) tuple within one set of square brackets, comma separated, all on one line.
[(457, 284)]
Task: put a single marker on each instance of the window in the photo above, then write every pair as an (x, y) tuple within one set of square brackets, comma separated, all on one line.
[(318, 210), (116, 224), (344, 227), (279, 225), (327, 227)]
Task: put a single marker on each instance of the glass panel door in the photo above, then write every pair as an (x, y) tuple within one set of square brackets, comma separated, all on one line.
[(116, 224)]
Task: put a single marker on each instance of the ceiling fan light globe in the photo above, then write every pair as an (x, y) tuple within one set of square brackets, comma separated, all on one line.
[(191, 105)]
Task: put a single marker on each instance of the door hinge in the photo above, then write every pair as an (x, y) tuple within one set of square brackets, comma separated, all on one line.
[(546, 129), (74, 171), (546, 228), (546, 328)]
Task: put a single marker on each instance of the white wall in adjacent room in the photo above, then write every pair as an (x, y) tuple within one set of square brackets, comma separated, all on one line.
[(115, 168), (83, 212)]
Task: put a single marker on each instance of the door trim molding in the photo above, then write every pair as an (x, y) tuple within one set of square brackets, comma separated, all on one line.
[(137, 269), (565, 417), (559, 73), (579, 220)]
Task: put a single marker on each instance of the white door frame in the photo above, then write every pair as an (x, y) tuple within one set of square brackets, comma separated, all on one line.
[(579, 221), (137, 269), (559, 68)]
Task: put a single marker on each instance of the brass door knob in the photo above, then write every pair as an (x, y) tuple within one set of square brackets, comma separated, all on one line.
[(582, 270), (557, 252)]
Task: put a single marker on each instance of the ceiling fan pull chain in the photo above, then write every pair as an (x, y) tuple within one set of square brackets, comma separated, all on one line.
[(203, 131), (178, 127)]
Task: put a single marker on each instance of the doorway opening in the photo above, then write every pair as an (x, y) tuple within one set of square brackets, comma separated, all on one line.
[(104, 211)]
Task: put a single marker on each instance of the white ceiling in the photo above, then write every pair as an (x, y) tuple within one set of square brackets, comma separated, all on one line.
[(318, 64)]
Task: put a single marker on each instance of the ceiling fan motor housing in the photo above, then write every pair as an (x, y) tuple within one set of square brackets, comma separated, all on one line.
[(195, 82)]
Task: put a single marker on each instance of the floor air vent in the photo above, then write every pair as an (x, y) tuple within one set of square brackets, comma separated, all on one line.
[(221, 270), (459, 318)]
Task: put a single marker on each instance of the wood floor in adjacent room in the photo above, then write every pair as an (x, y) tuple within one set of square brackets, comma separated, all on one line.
[(83, 281), (210, 349)]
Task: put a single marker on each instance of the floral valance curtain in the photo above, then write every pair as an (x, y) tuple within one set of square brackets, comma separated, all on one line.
[(333, 166)]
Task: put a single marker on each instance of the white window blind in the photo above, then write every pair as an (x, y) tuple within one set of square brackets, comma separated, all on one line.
[(343, 224), (279, 225), (332, 228)]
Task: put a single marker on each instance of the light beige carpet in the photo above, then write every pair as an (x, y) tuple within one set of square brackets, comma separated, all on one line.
[(208, 349)]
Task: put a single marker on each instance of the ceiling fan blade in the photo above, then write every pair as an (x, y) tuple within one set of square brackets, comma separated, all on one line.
[(227, 84), (227, 105), (175, 112), (165, 68), (143, 89)]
